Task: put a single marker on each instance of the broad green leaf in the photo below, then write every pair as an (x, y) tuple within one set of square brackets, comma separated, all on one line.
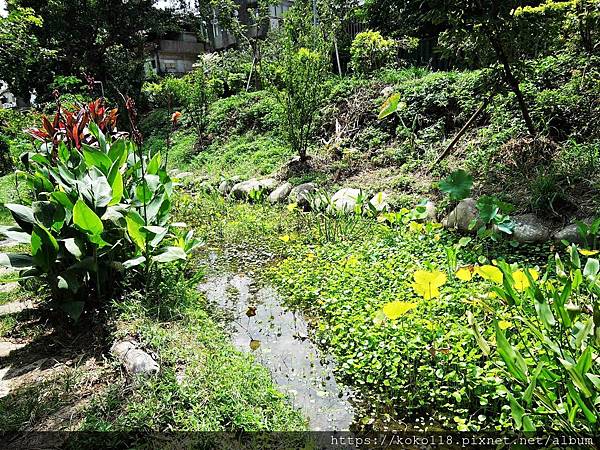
[(95, 158), (170, 254), (134, 262), (591, 269), (135, 222), (390, 106), (100, 189), (73, 247), (154, 164), (115, 180), (457, 185), (517, 411), (118, 152), (98, 134), (73, 309), (491, 273), (483, 345), (143, 193), (44, 248), (23, 215), (50, 215), (87, 220)]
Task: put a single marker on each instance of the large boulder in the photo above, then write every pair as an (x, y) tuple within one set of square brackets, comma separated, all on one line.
[(345, 200), (570, 233), (241, 191), (300, 194), (134, 360), (461, 216), (380, 202), (281, 193), (530, 229), (226, 186)]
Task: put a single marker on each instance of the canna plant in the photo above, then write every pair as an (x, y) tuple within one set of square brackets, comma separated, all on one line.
[(97, 210), (548, 344)]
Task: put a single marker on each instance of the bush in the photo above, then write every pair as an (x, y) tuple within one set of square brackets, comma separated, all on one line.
[(370, 51), (100, 207)]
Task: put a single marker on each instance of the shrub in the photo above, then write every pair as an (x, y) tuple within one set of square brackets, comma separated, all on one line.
[(100, 207), (298, 78), (370, 51)]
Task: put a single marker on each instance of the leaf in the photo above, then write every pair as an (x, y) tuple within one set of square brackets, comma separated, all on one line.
[(87, 220), (427, 283), (49, 214), (483, 345), (44, 248), (135, 222), (517, 411), (390, 106), (15, 234), (134, 262), (465, 273), (73, 309), (395, 310), (585, 252), (521, 282), (73, 248), (115, 180), (100, 188), (118, 152), (490, 273), (504, 324), (591, 269), (457, 185), (95, 158), (23, 215), (154, 164), (170, 254), (512, 358), (143, 192)]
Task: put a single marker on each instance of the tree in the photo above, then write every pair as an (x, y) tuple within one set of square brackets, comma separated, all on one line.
[(298, 74), (21, 54), (101, 38)]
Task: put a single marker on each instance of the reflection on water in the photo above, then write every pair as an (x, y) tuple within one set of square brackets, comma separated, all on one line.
[(280, 341)]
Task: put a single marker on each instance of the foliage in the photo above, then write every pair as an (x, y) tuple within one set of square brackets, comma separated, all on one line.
[(553, 323), (494, 216), (298, 77), (458, 185), (21, 52), (370, 51), (99, 208)]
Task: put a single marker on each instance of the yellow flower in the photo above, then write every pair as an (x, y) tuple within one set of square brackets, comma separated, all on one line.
[(490, 273), (585, 252), (286, 238), (292, 206), (427, 284), (415, 227), (436, 238), (504, 324), (311, 256), (394, 310), (521, 280)]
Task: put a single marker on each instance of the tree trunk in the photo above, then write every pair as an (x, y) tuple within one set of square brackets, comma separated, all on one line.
[(512, 81)]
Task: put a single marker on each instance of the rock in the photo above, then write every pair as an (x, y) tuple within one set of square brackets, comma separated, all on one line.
[(570, 232), (241, 191), (380, 202), (530, 229), (460, 218), (387, 91), (431, 210), (280, 194), (7, 288), (6, 348), (300, 194), (225, 187), (346, 199), (136, 361)]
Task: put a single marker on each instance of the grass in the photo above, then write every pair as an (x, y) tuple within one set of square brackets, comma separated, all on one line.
[(246, 156), (204, 383), (9, 194)]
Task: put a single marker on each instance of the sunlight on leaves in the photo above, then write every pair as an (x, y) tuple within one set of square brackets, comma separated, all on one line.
[(504, 324), (395, 310), (490, 273), (521, 280), (465, 273), (427, 284)]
